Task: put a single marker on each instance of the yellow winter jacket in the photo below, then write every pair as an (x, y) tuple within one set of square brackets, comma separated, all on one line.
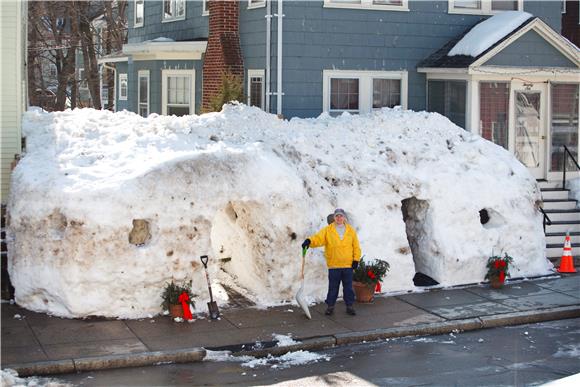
[(339, 253)]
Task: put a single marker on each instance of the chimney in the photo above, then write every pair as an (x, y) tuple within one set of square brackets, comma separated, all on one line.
[(223, 54)]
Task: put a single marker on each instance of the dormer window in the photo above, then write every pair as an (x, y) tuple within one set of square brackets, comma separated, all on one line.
[(173, 10)]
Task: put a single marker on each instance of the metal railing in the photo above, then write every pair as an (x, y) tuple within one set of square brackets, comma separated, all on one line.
[(546, 219), (566, 153)]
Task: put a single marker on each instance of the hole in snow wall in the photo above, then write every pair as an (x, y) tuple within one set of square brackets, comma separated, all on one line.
[(417, 225), (245, 238)]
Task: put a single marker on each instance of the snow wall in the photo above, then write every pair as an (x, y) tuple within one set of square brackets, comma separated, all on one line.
[(107, 207)]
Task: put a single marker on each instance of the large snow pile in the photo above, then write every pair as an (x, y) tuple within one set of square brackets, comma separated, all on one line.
[(107, 207)]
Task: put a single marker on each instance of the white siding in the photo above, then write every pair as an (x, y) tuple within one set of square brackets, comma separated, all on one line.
[(12, 78)]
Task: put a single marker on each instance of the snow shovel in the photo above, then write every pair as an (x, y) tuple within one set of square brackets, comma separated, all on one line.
[(299, 296), (212, 305)]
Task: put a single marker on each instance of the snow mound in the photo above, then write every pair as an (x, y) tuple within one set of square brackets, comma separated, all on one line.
[(105, 208), (489, 32)]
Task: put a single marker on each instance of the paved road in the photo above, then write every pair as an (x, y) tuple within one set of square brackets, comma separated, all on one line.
[(522, 355)]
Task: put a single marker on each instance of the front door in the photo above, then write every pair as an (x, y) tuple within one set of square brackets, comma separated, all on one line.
[(529, 128)]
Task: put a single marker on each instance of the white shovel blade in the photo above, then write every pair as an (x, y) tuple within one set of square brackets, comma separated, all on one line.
[(302, 302)]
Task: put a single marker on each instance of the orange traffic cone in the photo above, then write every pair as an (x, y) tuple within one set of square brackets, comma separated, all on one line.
[(567, 262)]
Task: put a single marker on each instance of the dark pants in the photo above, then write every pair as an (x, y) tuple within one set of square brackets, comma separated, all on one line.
[(335, 277)]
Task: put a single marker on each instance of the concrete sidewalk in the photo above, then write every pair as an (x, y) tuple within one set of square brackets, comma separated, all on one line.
[(34, 343)]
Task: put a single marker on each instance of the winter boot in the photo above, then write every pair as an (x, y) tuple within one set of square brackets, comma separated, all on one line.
[(329, 311), (350, 310)]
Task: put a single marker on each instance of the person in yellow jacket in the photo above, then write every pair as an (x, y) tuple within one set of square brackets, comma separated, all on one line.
[(342, 252)]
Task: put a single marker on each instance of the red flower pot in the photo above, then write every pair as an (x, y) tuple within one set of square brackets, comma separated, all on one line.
[(364, 293)]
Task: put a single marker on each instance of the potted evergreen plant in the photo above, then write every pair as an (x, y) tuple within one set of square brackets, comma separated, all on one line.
[(367, 277), (498, 270), (175, 297)]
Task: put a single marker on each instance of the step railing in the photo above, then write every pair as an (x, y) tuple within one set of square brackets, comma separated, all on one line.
[(546, 219), (566, 154)]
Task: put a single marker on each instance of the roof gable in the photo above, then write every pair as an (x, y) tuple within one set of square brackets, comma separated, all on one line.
[(543, 42)]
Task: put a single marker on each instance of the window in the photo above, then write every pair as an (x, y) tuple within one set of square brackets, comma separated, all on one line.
[(173, 10), (178, 92), (386, 93), (256, 85), (484, 7), (362, 91), (494, 98), (385, 5), (449, 99), (123, 87), (82, 79), (143, 93), (205, 9), (139, 13), (256, 3), (564, 124), (563, 6)]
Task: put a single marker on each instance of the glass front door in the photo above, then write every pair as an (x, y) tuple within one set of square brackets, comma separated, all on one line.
[(529, 129)]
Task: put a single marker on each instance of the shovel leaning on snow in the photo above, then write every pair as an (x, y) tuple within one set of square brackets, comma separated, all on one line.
[(300, 296)]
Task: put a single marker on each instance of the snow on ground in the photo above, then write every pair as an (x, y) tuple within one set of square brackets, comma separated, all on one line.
[(489, 32), (10, 378), (107, 207), (284, 361)]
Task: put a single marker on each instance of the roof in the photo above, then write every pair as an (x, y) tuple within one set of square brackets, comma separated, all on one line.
[(441, 57)]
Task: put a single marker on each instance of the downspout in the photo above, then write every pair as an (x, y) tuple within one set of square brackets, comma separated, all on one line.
[(268, 51), (114, 69), (279, 93)]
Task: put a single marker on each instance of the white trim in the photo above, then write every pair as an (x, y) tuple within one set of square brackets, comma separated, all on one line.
[(150, 50), (563, 10), (112, 60), (204, 11), (135, 24), (365, 86), (552, 37), (367, 5), (121, 96), (256, 4), (141, 74), (166, 73), (484, 10), (524, 71), (172, 18), (257, 74)]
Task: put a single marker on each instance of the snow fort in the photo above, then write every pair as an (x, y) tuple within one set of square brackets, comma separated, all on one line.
[(106, 208)]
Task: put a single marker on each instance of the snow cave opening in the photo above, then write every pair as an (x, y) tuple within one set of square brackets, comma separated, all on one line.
[(234, 241), (416, 218)]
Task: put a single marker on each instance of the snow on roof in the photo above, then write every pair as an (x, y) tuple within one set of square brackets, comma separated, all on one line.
[(489, 32)]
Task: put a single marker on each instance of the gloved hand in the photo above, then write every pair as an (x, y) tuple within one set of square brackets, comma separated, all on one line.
[(306, 244), (354, 265)]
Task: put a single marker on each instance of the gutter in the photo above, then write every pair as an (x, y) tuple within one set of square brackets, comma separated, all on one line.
[(268, 52), (279, 92), (114, 84)]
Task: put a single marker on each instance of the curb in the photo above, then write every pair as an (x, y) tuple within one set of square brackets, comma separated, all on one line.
[(96, 363), (313, 343)]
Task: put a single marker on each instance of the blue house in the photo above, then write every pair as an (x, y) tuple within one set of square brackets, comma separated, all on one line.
[(518, 89)]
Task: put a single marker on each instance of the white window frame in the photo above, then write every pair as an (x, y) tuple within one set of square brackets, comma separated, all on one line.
[(484, 10), (205, 8), (135, 24), (165, 74), (165, 19), (257, 74), (563, 6), (366, 4), (365, 87), (253, 4), (143, 74), (123, 77), (82, 79)]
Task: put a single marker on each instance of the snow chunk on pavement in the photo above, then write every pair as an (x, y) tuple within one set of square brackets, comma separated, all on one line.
[(105, 208), (287, 360), (9, 378), (489, 32), (283, 340)]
